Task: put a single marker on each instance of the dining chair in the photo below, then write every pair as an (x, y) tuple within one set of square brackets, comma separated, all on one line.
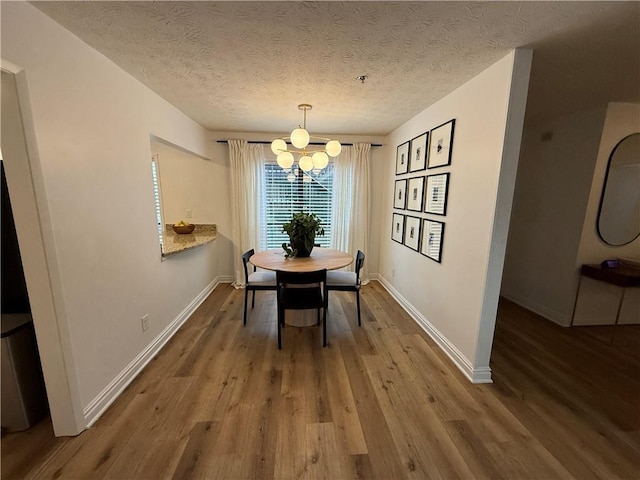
[(302, 291), (348, 281), (255, 281)]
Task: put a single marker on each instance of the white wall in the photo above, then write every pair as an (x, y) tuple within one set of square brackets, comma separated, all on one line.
[(456, 301), (89, 124), (556, 166)]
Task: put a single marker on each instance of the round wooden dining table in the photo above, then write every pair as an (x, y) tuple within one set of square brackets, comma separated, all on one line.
[(320, 258)]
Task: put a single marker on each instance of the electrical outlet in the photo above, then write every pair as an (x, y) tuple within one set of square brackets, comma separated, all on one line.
[(189, 213), (393, 273), (145, 323)]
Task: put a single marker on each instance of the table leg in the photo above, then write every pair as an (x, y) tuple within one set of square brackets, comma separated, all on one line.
[(620, 305)]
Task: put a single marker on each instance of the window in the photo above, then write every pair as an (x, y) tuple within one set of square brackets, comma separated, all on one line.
[(156, 195), (306, 193)]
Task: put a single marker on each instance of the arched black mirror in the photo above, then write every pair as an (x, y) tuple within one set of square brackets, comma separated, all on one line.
[(619, 215)]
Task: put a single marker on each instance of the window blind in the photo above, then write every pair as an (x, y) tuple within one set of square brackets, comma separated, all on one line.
[(306, 193), (156, 195)]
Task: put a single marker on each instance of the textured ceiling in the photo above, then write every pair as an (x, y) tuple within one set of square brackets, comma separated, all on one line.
[(245, 66)]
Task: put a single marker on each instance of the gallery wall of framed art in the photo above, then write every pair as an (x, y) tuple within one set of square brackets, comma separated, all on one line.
[(421, 190)]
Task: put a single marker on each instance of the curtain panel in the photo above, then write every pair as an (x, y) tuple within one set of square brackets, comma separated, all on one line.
[(247, 191), (351, 200)]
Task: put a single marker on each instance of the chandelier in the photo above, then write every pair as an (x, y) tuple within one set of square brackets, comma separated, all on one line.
[(309, 160)]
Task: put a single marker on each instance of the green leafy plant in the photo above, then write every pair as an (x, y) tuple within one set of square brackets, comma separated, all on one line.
[(302, 230)]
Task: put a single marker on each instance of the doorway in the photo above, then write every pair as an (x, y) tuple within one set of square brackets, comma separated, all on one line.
[(24, 400), (29, 207)]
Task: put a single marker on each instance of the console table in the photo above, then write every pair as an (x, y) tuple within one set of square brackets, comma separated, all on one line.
[(621, 276)]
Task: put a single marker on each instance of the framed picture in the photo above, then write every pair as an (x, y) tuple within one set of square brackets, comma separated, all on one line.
[(397, 228), (441, 144), (412, 232), (436, 196), (432, 235), (415, 192), (418, 157), (402, 158), (399, 194)]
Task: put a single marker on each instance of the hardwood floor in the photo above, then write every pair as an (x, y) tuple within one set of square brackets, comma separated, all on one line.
[(381, 401)]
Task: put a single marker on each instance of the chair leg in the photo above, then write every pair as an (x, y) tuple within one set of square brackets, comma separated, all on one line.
[(246, 294), (358, 303), (253, 299), (324, 328), (280, 314)]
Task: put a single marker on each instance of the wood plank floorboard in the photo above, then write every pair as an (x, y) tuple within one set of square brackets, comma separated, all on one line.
[(382, 401)]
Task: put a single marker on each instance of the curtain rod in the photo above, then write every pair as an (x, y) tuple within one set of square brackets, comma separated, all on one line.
[(264, 142)]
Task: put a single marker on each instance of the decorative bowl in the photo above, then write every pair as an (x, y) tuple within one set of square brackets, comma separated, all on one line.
[(182, 229)]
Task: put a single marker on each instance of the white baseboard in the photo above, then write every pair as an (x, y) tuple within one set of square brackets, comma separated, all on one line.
[(475, 375), (373, 276), (106, 397), (542, 310)]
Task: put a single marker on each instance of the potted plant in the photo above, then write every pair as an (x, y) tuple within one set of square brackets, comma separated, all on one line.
[(302, 230)]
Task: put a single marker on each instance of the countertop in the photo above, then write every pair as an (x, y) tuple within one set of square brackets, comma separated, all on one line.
[(173, 242)]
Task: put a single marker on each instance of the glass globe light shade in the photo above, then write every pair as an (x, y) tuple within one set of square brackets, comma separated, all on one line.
[(320, 160), (316, 171), (333, 148), (285, 160), (300, 138), (305, 163), (291, 177), (278, 145), (306, 178)]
